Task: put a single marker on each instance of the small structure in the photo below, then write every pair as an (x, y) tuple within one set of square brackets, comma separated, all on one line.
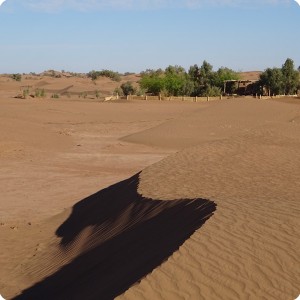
[(241, 85), (246, 82)]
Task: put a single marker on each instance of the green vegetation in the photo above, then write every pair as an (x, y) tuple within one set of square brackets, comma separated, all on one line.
[(83, 95), (25, 93), (175, 81), (284, 80), (39, 93), (118, 91), (55, 96), (97, 94), (115, 76), (16, 77), (128, 89)]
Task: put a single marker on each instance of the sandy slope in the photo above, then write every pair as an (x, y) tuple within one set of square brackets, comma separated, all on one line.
[(239, 160), (65, 87), (55, 153), (249, 249)]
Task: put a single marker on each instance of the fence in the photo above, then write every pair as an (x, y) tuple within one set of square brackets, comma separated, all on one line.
[(275, 96), (172, 98)]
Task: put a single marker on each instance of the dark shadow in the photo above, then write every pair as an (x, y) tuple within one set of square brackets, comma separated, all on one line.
[(130, 237)]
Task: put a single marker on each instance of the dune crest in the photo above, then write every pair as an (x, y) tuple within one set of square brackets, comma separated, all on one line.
[(125, 237), (249, 249)]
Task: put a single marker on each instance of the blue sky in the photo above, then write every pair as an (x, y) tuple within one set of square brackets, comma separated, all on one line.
[(131, 35)]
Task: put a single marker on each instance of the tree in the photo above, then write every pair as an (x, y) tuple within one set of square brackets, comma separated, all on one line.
[(204, 79), (93, 75), (152, 82), (224, 74), (127, 88), (171, 82), (290, 77), (206, 74), (272, 80), (221, 76), (194, 72), (175, 70), (175, 81)]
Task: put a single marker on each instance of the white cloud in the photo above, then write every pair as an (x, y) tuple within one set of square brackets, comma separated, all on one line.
[(88, 5)]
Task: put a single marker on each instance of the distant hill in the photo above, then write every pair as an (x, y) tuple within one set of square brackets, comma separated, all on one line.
[(250, 75)]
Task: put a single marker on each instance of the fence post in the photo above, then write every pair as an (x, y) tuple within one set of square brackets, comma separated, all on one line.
[(207, 98)]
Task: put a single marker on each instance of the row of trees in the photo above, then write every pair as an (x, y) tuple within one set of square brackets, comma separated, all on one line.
[(197, 81), (203, 81), (279, 81)]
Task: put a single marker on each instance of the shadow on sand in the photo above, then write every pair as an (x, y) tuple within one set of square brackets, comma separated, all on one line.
[(129, 237)]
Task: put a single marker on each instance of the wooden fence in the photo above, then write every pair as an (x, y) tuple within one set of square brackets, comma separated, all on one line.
[(172, 98)]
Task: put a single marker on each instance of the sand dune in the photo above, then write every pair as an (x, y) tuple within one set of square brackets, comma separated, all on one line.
[(119, 237), (249, 248), (63, 86), (221, 120), (145, 237)]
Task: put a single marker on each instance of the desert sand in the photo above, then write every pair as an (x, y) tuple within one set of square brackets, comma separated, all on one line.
[(149, 199)]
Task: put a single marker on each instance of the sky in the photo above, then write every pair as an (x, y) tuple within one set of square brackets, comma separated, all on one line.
[(135, 35)]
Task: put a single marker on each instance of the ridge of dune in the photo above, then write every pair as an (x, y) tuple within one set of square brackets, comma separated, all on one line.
[(249, 248), (251, 170), (110, 241)]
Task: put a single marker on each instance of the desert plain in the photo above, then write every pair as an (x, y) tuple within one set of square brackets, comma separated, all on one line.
[(148, 199)]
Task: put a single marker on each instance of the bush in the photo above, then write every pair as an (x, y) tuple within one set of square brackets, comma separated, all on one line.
[(118, 91), (25, 93), (55, 96), (97, 93), (140, 92), (39, 93), (83, 95), (212, 91), (16, 77), (128, 88), (115, 76)]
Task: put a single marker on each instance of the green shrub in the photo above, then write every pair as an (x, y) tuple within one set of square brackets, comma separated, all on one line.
[(128, 88), (118, 91), (16, 77), (40, 93), (97, 93), (212, 91), (83, 95), (25, 93), (115, 76)]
